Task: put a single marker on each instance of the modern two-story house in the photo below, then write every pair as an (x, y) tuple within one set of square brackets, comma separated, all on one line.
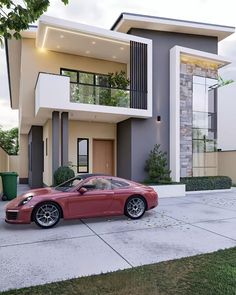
[(71, 111)]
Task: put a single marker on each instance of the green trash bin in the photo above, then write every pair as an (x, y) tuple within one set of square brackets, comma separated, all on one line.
[(9, 184)]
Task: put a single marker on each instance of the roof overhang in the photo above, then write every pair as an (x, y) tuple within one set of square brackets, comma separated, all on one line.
[(211, 60), (127, 21), (79, 39)]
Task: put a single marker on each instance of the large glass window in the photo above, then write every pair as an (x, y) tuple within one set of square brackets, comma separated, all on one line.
[(86, 78), (83, 155), (204, 126)]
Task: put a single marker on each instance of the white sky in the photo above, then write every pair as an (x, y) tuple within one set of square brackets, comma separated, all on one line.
[(104, 13)]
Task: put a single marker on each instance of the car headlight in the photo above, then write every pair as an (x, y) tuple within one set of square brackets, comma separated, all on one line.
[(25, 201)]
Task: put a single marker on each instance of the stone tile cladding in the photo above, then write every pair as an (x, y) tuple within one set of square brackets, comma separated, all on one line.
[(187, 71)]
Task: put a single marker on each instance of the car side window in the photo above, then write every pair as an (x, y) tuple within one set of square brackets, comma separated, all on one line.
[(98, 184), (117, 183)]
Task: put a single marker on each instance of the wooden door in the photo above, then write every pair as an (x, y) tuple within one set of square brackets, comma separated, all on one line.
[(103, 156)]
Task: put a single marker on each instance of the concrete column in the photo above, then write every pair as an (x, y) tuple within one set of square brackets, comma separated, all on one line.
[(55, 142), (64, 139)]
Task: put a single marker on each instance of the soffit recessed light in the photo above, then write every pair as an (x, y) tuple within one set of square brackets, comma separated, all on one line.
[(121, 48), (93, 42), (114, 56), (58, 46), (87, 51), (62, 36)]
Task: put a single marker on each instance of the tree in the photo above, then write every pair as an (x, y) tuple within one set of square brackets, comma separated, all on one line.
[(9, 140), (156, 166), (15, 18)]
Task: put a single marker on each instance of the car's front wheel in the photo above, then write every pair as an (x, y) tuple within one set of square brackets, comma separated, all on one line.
[(135, 207), (47, 215)]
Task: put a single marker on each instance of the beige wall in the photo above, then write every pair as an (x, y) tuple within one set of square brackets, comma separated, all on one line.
[(227, 164), (8, 163), (34, 60), (14, 164), (206, 163), (23, 156), (47, 137)]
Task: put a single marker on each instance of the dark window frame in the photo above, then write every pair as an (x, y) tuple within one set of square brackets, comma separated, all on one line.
[(46, 147), (85, 72), (213, 130), (78, 155)]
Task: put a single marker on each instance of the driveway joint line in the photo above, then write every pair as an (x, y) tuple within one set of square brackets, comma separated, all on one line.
[(108, 244), (45, 241), (213, 232), (187, 222)]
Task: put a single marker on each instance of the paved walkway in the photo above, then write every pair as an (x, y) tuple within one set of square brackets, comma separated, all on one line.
[(178, 227)]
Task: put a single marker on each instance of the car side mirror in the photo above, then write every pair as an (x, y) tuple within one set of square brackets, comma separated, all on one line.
[(82, 190)]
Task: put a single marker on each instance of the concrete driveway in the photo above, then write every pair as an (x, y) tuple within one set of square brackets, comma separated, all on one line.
[(178, 227)]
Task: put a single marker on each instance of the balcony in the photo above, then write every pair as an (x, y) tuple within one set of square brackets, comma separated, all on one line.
[(87, 102), (99, 95)]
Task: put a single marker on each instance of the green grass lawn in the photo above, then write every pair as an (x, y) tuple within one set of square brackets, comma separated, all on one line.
[(208, 274)]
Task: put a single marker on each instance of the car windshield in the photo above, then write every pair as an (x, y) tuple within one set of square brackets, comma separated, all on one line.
[(69, 184)]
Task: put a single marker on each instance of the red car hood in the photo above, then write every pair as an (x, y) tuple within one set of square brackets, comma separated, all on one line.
[(34, 192)]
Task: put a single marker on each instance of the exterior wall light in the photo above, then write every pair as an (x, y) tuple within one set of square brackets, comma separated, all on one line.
[(158, 119)]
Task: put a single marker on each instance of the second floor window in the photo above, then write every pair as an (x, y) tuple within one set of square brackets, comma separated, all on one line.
[(86, 78)]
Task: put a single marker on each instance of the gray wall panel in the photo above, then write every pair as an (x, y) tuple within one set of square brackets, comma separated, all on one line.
[(35, 156), (124, 149), (147, 132)]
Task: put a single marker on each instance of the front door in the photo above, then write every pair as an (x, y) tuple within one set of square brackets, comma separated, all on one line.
[(103, 156)]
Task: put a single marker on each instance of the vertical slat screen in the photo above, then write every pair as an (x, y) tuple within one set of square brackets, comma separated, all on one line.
[(138, 75)]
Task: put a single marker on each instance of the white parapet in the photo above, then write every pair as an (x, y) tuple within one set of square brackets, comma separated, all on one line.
[(168, 191)]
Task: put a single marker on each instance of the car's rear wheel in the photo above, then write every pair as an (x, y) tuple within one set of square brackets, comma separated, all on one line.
[(135, 207), (47, 215)]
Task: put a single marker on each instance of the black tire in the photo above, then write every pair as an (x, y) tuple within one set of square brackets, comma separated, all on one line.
[(135, 207), (47, 214), (4, 198)]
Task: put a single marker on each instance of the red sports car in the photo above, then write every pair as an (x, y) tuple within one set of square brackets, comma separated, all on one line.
[(83, 196)]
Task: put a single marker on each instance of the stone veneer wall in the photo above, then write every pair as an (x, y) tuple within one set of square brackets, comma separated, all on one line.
[(187, 71)]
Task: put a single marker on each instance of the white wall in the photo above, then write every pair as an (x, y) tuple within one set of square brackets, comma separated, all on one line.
[(227, 117)]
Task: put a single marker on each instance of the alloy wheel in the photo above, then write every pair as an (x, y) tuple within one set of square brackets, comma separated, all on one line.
[(135, 207), (47, 215)]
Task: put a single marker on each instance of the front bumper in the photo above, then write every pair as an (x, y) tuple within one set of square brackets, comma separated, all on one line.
[(18, 216)]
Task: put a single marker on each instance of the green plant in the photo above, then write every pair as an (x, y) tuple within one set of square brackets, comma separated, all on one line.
[(222, 82), (206, 183), (118, 80), (15, 17), (63, 174), (156, 166), (9, 140), (117, 95)]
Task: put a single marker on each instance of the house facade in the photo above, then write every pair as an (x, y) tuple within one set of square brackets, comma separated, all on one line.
[(71, 111)]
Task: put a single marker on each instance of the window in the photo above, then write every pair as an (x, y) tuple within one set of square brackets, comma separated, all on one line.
[(87, 78), (82, 155), (46, 147), (72, 74), (118, 183), (98, 184), (204, 130)]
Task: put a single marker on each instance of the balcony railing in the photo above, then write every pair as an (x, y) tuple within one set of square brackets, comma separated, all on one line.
[(99, 95)]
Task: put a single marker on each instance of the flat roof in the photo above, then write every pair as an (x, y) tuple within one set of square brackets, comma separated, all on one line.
[(127, 21)]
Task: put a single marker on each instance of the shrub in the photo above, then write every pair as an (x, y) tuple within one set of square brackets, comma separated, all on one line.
[(156, 166), (62, 174), (206, 183)]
